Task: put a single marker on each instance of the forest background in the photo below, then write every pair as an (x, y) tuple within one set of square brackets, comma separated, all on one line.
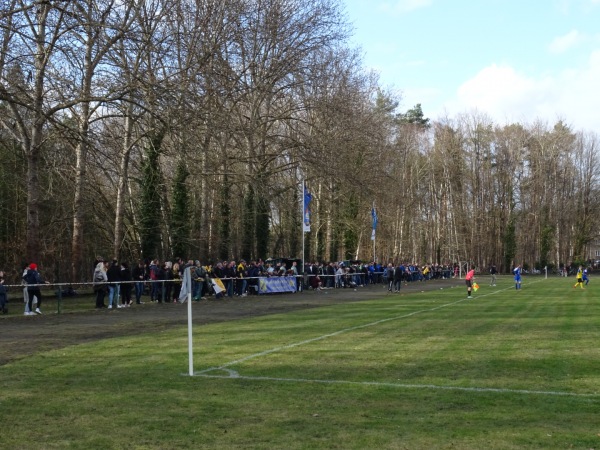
[(164, 128)]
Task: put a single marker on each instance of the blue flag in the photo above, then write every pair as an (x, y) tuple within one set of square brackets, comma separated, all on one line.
[(306, 210), (374, 217)]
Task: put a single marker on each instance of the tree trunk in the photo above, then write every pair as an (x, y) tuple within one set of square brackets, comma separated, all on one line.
[(122, 183)]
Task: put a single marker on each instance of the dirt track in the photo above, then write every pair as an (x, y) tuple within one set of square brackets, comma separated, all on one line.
[(21, 336)]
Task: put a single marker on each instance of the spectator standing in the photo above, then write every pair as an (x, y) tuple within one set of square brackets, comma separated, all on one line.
[(33, 279), (3, 295), (114, 277), (100, 280), (242, 274), (28, 312), (330, 272), (126, 277), (176, 282), (398, 276), (426, 271), (294, 270), (390, 277), (153, 271), (339, 276), (253, 274), (161, 277), (198, 280), (169, 281), (231, 275), (138, 276)]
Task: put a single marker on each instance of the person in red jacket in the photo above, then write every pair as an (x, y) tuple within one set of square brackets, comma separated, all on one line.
[(33, 279)]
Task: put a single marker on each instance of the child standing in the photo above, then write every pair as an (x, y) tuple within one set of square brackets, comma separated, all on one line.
[(579, 278), (517, 273)]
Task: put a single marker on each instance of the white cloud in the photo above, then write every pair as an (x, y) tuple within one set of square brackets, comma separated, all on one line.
[(507, 95), (403, 6), (563, 43)]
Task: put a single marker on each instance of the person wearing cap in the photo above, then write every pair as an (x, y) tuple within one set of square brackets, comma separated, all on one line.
[(33, 279)]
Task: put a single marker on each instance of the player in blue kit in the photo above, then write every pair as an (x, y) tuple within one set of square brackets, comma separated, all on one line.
[(585, 276), (517, 273)]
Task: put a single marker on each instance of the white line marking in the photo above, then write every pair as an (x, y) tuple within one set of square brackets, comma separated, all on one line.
[(236, 376)]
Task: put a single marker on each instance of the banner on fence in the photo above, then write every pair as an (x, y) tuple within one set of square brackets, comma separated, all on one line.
[(276, 285)]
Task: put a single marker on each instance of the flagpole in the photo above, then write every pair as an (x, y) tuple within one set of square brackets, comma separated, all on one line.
[(374, 250), (374, 225)]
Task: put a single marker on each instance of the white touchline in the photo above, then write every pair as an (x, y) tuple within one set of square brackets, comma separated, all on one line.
[(336, 333), (235, 375)]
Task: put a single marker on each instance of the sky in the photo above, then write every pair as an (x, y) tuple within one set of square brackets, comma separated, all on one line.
[(512, 60)]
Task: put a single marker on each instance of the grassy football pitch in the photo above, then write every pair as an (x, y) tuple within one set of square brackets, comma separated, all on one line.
[(505, 370)]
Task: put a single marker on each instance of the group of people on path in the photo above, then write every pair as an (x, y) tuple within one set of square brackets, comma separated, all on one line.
[(118, 280)]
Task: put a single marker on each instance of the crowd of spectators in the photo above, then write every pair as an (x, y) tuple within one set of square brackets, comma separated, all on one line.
[(123, 285), (162, 281), (344, 274)]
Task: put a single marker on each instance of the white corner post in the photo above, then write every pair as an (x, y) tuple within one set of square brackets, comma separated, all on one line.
[(189, 308)]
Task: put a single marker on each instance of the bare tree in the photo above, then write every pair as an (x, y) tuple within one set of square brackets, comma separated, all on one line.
[(31, 35)]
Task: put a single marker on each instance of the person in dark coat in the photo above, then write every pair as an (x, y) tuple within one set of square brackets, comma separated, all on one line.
[(398, 276), (3, 295), (126, 285), (114, 277), (33, 279)]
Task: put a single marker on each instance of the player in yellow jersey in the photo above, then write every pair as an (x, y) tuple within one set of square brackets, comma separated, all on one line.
[(579, 278)]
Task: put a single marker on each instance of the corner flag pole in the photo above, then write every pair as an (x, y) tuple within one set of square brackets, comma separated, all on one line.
[(190, 342)]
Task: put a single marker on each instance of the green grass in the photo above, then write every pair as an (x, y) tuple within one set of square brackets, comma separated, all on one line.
[(506, 370)]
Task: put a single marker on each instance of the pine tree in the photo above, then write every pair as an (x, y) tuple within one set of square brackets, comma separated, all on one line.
[(180, 227), (150, 235)]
